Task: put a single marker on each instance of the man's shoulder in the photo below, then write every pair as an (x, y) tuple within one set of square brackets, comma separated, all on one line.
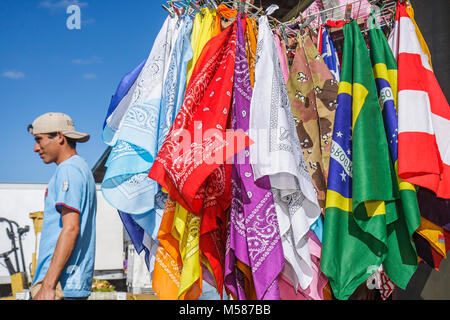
[(74, 165), (74, 161)]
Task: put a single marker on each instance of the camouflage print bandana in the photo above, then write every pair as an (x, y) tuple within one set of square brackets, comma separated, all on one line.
[(313, 93)]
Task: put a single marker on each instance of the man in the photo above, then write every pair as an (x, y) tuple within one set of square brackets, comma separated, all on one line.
[(67, 245)]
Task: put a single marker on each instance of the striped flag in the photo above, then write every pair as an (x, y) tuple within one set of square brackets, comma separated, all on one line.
[(423, 111)]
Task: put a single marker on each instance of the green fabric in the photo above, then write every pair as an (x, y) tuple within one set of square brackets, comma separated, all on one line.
[(401, 261), (356, 240)]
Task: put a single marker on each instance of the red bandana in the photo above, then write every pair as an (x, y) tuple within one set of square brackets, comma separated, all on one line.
[(197, 143), (213, 222)]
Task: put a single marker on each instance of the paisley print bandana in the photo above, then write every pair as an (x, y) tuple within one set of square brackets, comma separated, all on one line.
[(277, 154), (168, 263), (125, 184), (254, 233), (182, 165), (217, 197)]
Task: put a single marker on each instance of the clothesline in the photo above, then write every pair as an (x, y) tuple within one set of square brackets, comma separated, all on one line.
[(343, 12), (242, 6)]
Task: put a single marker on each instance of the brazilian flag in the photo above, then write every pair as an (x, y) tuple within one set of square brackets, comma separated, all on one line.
[(401, 261), (361, 194)]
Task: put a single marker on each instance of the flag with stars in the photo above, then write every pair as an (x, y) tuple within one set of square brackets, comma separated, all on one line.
[(329, 54), (401, 261), (361, 176)]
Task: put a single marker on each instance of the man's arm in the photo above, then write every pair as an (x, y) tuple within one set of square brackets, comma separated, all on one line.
[(63, 250)]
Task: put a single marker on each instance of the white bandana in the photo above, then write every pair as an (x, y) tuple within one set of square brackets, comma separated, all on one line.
[(277, 153)]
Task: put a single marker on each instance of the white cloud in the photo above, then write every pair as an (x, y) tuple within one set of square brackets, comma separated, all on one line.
[(89, 76), (14, 74), (61, 4), (91, 60)]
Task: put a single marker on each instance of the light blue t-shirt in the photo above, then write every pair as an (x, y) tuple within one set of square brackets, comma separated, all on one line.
[(72, 186)]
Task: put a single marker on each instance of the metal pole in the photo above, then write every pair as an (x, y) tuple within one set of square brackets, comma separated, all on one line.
[(11, 236)]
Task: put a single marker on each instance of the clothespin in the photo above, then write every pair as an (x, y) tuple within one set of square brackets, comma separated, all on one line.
[(195, 7), (250, 5), (213, 3), (169, 11), (284, 34), (174, 8), (307, 22), (275, 23), (348, 12), (239, 6), (323, 17), (243, 6)]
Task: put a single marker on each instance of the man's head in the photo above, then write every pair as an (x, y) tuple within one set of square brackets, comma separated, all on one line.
[(55, 136)]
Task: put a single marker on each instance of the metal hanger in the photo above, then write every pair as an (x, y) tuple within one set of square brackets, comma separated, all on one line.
[(306, 23), (212, 3), (195, 7), (171, 13)]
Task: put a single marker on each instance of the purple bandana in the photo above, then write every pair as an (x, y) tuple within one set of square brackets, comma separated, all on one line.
[(254, 236)]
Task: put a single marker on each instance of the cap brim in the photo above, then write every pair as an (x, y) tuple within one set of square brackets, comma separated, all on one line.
[(78, 136)]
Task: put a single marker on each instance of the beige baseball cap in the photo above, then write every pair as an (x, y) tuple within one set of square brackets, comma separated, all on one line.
[(54, 122)]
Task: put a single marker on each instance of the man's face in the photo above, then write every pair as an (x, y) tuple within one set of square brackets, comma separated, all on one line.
[(47, 147)]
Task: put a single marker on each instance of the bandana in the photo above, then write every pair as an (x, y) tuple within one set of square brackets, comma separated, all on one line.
[(278, 154), (168, 264), (254, 234), (313, 94), (251, 35), (182, 166)]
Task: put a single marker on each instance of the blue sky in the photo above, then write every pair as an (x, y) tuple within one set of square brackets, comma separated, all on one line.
[(46, 67)]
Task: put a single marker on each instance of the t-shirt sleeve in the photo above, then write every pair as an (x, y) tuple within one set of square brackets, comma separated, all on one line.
[(69, 189)]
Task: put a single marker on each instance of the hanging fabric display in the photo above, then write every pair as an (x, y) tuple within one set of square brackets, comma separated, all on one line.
[(314, 8), (420, 129), (278, 155), (313, 92), (408, 219), (435, 228), (125, 184), (318, 282), (182, 166), (372, 209), (168, 264), (424, 113), (248, 162), (253, 231), (187, 233), (128, 128)]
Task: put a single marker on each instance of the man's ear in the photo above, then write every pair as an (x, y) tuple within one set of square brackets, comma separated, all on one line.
[(61, 138)]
